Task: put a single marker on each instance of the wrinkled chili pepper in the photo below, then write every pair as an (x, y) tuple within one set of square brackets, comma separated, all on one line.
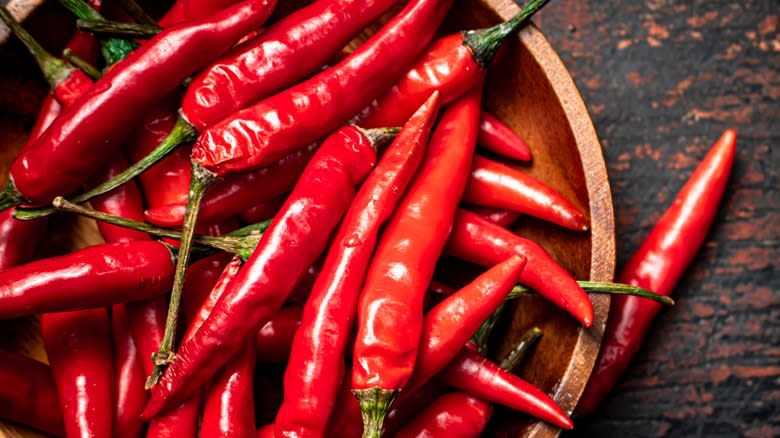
[(28, 394), (496, 185), (229, 410), (453, 415), (390, 313), (78, 346), (499, 138), (275, 339), (479, 241), (129, 379), (316, 367), (504, 218), (77, 144), (293, 241), (658, 265), (100, 275), (451, 65)]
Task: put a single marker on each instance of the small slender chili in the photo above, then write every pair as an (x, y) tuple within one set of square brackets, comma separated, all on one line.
[(390, 310), (504, 218), (78, 346), (28, 394), (293, 241), (125, 201), (229, 410), (275, 339), (658, 265), (451, 65), (316, 367), (479, 241), (84, 136), (129, 378), (191, 10), (99, 275), (496, 185), (452, 415), (499, 138)]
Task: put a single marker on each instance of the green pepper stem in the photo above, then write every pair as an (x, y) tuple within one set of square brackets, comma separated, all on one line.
[(117, 29), (379, 137), (200, 181), (82, 65), (523, 346), (113, 49), (181, 133), (484, 43), (137, 12), (604, 287), (482, 334), (374, 405), (10, 197), (54, 69)]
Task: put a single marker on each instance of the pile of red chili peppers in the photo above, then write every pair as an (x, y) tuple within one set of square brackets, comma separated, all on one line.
[(372, 166)]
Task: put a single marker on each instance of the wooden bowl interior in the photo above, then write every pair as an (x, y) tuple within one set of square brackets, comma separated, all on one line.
[(529, 88)]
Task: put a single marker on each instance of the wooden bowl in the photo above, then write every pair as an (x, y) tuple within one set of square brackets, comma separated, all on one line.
[(531, 90)]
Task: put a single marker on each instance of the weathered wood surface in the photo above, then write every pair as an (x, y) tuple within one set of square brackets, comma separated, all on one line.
[(662, 79)]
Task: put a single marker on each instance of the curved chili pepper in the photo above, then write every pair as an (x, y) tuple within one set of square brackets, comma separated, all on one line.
[(100, 275), (229, 410), (390, 309), (453, 415), (658, 265), (294, 240), (236, 193), (263, 211), (473, 373), (79, 350), (451, 65), (76, 144), (129, 379), (479, 241), (275, 338), (496, 185), (503, 218), (316, 367), (499, 138), (190, 10), (28, 394)]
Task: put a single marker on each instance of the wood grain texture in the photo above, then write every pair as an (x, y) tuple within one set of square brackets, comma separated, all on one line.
[(663, 79)]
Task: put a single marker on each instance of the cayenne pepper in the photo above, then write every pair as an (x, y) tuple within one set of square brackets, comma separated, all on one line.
[(229, 409), (658, 265), (28, 394), (499, 138), (453, 415), (130, 396), (390, 308), (316, 367)]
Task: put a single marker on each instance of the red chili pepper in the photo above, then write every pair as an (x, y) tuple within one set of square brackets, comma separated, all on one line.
[(82, 139), (503, 218), (275, 338), (294, 240), (202, 277), (316, 367), (658, 265), (28, 394), (452, 65), (453, 415), (147, 324), (229, 410), (493, 184), (473, 373), (79, 350), (100, 275), (390, 310), (129, 379), (125, 201), (499, 138), (236, 193), (19, 239), (190, 10), (479, 241), (409, 405), (266, 431), (263, 211)]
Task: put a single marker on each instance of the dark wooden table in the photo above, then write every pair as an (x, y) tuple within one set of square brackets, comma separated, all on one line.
[(662, 80)]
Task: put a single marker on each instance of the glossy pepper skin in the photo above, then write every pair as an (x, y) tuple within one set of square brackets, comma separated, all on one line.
[(316, 367), (125, 201), (78, 346), (231, 196), (473, 373), (285, 53), (658, 265), (129, 379), (77, 144), (28, 394), (497, 137), (263, 133), (19, 239), (229, 410), (493, 184), (100, 275), (296, 237), (453, 415), (390, 310), (190, 10), (504, 218), (479, 241)]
